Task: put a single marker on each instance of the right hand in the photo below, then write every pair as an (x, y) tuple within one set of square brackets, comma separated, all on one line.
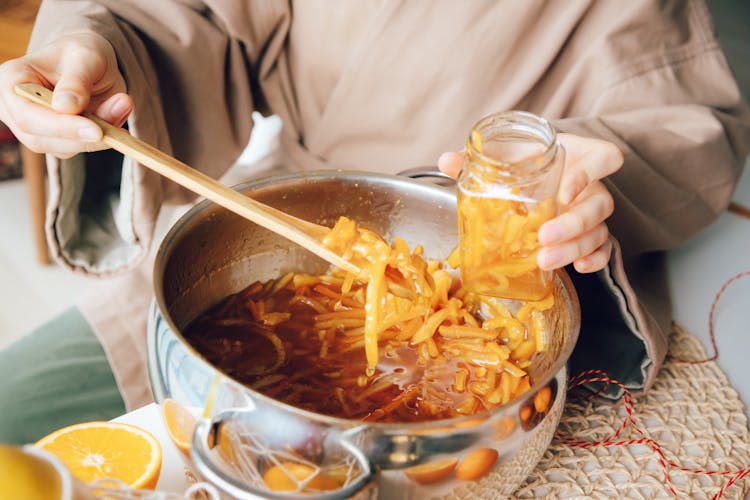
[(579, 234), (82, 70)]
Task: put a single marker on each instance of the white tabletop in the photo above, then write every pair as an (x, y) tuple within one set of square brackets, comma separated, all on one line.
[(172, 478), (698, 270)]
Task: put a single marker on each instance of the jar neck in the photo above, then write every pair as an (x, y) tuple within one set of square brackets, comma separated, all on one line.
[(514, 146)]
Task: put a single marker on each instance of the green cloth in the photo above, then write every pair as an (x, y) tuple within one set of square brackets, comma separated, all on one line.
[(55, 376)]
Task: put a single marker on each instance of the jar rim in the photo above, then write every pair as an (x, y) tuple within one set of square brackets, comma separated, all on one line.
[(517, 120)]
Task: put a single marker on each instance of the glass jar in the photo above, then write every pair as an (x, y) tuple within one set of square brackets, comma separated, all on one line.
[(506, 190)]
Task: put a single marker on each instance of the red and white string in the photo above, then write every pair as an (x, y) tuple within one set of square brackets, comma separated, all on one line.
[(598, 376)]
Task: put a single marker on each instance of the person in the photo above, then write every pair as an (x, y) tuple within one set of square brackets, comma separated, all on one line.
[(378, 85)]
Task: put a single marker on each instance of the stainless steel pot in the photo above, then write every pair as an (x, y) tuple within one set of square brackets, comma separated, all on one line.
[(211, 253)]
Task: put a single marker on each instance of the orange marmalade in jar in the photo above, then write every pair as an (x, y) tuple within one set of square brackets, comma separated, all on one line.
[(506, 190)]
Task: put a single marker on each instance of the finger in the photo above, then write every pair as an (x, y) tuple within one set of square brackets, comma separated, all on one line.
[(116, 109), (450, 163), (586, 160), (29, 119), (557, 256), (573, 182), (595, 261), (78, 68), (62, 148), (595, 205)]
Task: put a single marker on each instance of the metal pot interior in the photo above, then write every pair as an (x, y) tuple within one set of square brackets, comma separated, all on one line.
[(211, 253)]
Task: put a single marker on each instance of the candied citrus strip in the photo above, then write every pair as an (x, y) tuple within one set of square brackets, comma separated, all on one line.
[(401, 303)]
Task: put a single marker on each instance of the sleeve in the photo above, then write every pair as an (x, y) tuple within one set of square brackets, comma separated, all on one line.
[(193, 99), (684, 129)]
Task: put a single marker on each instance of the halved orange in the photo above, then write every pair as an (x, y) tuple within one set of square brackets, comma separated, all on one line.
[(476, 464), (431, 472), (180, 424), (96, 450), (288, 476)]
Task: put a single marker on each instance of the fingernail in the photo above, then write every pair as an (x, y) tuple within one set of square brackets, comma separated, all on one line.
[(551, 233), (89, 134), (450, 162), (66, 101), (549, 258), (120, 108), (446, 157), (582, 265)]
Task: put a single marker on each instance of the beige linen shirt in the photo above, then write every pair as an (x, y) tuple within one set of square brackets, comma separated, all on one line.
[(386, 85)]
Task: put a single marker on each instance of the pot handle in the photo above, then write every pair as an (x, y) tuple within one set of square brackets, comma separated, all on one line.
[(239, 476), (200, 451), (430, 172), (399, 450)]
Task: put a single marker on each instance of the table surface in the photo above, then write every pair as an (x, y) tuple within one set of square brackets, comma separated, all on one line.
[(172, 478), (698, 270)]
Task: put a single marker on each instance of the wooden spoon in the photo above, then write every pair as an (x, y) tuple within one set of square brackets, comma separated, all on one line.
[(304, 233)]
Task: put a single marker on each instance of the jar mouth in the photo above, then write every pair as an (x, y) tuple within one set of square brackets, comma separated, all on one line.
[(529, 128)]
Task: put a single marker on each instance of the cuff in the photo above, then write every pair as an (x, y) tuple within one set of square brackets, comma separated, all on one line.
[(618, 334), (91, 227)]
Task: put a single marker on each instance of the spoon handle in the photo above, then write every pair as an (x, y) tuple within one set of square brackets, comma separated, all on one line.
[(305, 234)]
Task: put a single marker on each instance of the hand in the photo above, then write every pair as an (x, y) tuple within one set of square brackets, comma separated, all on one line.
[(82, 69), (578, 235)]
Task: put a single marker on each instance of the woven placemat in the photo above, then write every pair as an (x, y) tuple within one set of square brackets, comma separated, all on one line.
[(692, 414)]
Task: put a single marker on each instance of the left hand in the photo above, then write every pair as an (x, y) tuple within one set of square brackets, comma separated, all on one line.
[(578, 235)]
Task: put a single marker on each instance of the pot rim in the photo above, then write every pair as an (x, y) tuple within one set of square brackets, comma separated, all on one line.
[(169, 239)]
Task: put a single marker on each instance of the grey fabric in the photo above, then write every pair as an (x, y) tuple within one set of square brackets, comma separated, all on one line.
[(609, 339), (93, 222), (55, 376)]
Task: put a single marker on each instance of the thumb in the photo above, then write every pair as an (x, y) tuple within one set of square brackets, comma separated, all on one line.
[(450, 163), (77, 69)]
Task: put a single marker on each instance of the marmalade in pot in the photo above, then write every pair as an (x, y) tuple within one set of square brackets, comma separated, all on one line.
[(402, 342)]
